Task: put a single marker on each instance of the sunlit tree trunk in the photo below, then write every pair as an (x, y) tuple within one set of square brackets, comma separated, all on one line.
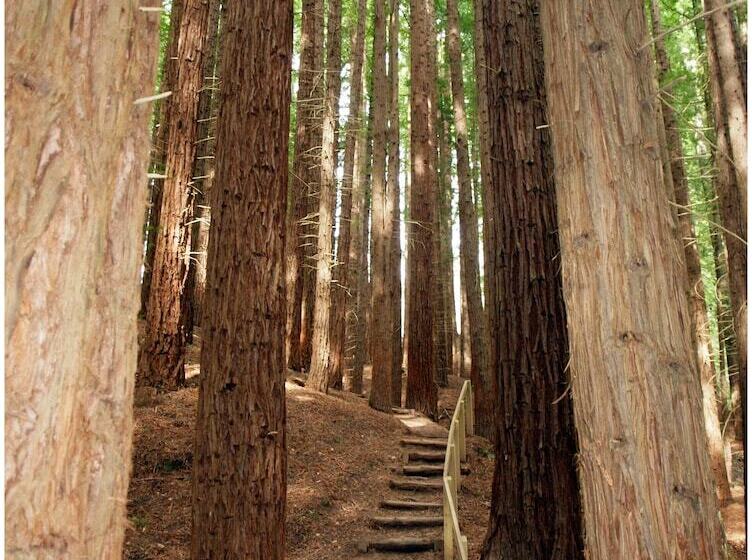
[(382, 226), (74, 211), (645, 478), (305, 174), (322, 369), (421, 389), (240, 456), (162, 354), (440, 241), (686, 239)]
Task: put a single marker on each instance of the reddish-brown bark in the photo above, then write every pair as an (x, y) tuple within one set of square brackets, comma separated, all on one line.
[(535, 511), (421, 388), (240, 456), (162, 354)]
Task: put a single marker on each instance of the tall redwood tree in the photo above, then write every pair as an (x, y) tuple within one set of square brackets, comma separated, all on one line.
[(240, 456)]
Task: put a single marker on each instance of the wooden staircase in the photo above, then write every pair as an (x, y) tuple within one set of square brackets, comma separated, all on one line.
[(410, 518)]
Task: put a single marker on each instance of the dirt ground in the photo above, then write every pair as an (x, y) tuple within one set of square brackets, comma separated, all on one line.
[(340, 457)]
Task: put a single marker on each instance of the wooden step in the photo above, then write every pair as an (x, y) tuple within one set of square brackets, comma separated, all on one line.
[(416, 484), (400, 544), (424, 470), (428, 456), (400, 410), (439, 443), (404, 521), (407, 504)]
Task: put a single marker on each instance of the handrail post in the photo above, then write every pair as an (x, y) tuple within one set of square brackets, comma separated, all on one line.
[(471, 411), (463, 449), (448, 530)]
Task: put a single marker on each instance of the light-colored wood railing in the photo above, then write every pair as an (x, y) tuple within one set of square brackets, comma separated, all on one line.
[(463, 424)]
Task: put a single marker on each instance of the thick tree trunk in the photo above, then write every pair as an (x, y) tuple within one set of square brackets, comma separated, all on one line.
[(686, 241), (239, 465), (733, 216), (421, 389), (345, 289), (74, 211), (159, 149), (393, 188), (647, 488), (720, 24), (162, 353), (479, 373), (305, 175), (381, 228), (466, 365), (203, 173), (535, 511), (322, 369)]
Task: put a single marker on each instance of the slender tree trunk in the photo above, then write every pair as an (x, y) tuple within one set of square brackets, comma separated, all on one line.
[(240, 456), (466, 364), (644, 471), (479, 373), (381, 229), (355, 319), (393, 187), (305, 175), (481, 88), (158, 152), (535, 511), (203, 171), (162, 354), (720, 24), (438, 279), (686, 240), (74, 211), (732, 215), (322, 366), (421, 389), (345, 289)]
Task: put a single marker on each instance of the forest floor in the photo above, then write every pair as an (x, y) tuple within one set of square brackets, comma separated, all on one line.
[(340, 454)]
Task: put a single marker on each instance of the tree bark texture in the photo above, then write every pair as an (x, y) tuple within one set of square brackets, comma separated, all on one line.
[(162, 354), (479, 373), (345, 273), (305, 174), (159, 149), (239, 466), (732, 215), (421, 388), (646, 484), (381, 226), (535, 501), (322, 369), (74, 212), (695, 289)]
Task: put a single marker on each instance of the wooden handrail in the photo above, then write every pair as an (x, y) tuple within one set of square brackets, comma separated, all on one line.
[(463, 424)]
